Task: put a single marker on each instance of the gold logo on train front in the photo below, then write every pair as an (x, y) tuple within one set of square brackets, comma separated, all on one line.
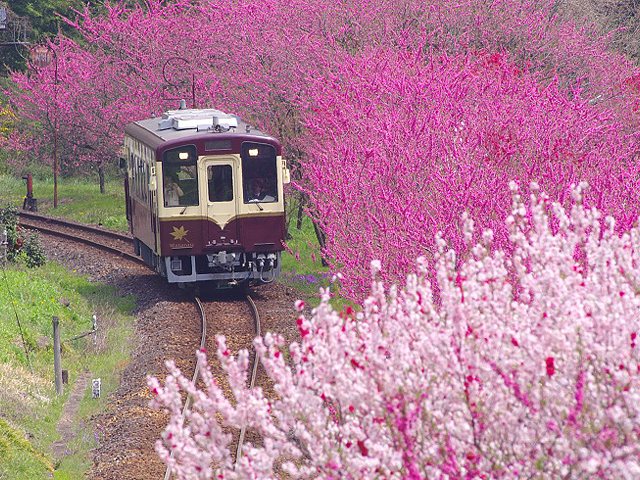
[(179, 233)]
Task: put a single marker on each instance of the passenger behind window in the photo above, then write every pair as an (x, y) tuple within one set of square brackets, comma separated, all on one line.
[(172, 191), (259, 192)]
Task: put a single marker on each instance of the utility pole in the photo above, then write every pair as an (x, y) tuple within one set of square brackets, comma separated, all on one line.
[(15, 34), (14, 30), (175, 85)]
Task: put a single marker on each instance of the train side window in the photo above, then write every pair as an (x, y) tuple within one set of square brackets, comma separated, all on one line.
[(259, 173), (220, 181), (135, 171), (146, 182)]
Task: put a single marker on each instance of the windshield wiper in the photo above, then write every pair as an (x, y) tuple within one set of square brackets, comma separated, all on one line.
[(257, 203)]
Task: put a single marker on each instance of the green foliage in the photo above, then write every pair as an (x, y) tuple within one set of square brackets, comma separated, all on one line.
[(9, 222), (20, 247), (34, 299), (27, 400), (79, 199), (302, 266), (41, 19), (4, 168), (303, 255), (34, 252), (44, 15)]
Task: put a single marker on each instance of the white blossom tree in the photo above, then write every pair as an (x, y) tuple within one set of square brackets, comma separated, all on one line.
[(511, 365)]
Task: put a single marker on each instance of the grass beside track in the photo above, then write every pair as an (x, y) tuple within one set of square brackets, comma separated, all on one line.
[(302, 266), (78, 199), (29, 406)]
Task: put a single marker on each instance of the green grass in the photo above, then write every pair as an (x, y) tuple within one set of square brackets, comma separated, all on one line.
[(29, 407), (19, 458), (35, 296), (301, 264), (78, 199), (302, 268)]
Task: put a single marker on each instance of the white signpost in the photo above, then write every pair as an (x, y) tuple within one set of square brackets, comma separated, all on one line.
[(3, 18)]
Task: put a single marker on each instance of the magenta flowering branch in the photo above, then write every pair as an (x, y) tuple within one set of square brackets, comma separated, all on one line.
[(481, 118)]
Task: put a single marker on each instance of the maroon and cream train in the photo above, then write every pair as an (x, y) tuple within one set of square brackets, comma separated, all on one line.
[(204, 195)]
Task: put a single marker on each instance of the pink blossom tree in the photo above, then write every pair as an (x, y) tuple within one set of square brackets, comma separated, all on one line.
[(256, 58), (526, 366), (400, 115), (402, 147)]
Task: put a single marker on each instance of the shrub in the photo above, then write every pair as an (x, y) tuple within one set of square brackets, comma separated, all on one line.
[(20, 247), (9, 222), (519, 364), (34, 251)]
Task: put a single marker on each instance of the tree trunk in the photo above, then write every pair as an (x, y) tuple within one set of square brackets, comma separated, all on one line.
[(56, 167), (301, 203), (287, 225), (321, 241), (101, 177)]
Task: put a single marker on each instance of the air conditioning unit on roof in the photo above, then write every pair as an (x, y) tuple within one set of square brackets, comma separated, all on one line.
[(188, 119), (225, 122)]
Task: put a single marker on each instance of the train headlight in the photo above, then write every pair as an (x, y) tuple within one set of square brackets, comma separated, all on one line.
[(253, 152), (183, 155)]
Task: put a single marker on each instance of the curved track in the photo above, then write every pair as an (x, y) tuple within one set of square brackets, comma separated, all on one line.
[(107, 240), (254, 371), (257, 331)]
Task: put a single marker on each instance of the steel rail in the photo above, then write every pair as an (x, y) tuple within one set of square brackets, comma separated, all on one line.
[(254, 371), (80, 226), (86, 241), (196, 372), (252, 381)]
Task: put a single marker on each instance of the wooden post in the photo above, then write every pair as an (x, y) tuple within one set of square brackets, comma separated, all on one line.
[(57, 364)]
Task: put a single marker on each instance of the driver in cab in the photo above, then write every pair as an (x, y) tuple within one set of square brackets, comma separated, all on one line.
[(259, 193)]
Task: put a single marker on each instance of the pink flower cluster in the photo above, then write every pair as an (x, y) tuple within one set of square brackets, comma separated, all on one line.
[(512, 364), (136, 59)]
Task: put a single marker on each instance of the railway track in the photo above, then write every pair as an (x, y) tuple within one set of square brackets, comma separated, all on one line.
[(114, 242), (204, 323)]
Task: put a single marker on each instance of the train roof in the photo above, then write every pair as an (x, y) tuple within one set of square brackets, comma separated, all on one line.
[(194, 125)]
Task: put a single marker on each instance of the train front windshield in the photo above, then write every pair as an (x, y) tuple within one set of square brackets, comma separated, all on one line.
[(259, 173), (180, 177)]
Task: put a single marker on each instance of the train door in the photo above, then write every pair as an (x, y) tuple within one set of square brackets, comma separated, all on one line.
[(222, 202)]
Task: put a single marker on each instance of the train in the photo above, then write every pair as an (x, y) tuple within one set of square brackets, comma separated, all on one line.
[(204, 197)]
